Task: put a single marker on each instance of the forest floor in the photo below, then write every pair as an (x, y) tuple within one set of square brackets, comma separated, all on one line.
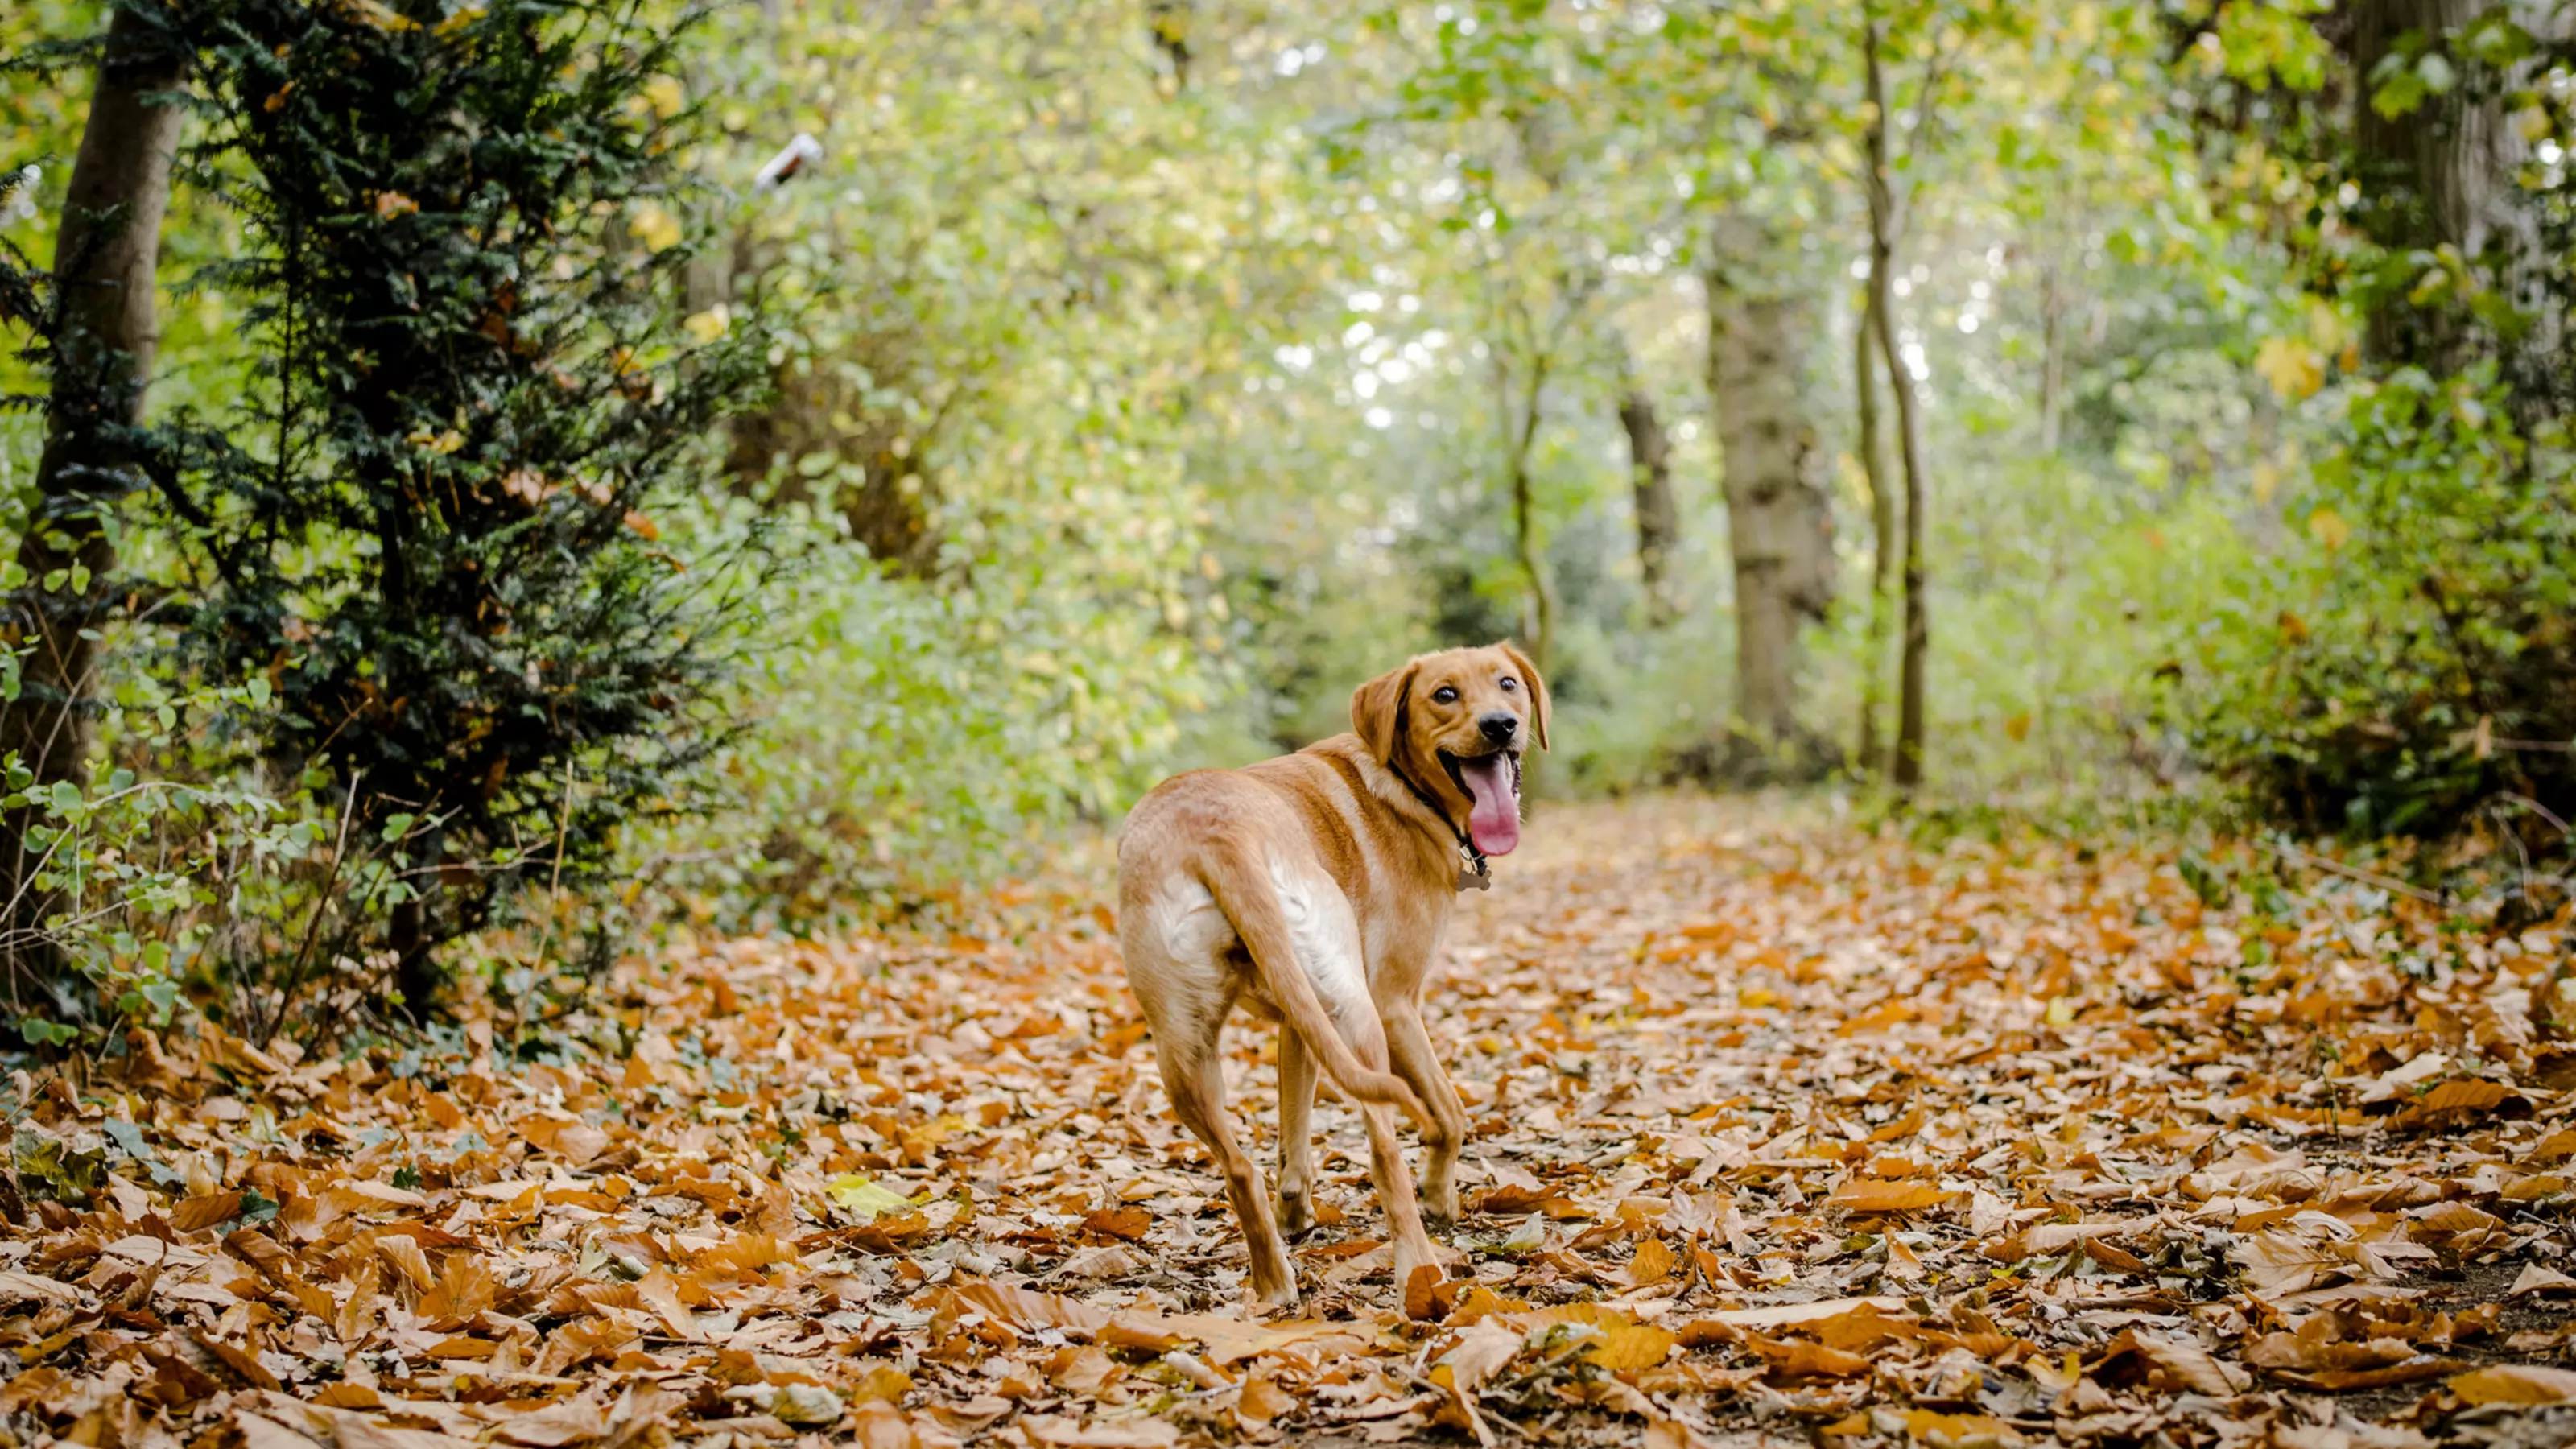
[(1786, 1133)]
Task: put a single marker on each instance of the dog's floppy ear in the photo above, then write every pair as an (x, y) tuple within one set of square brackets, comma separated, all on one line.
[(1377, 712), (1537, 692)]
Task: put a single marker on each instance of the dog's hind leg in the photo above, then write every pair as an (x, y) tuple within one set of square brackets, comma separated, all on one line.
[(1360, 1030), (1193, 1073), (1446, 1132), (1297, 1072), (1395, 1194)]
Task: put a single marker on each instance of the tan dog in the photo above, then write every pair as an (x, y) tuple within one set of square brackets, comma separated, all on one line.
[(1315, 888)]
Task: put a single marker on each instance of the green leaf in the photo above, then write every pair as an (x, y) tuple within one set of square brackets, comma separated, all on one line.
[(2207, 881), (39, 1032)]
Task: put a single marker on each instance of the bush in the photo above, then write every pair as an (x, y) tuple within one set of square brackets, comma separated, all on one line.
[(426, 539), (910, 734), (2405, 658)]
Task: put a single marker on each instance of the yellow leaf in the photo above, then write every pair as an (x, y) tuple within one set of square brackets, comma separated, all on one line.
[(391, 204), (2017, 728), (710, 324), (2293, 368), (2328, 528), (863, 1199), (655, 227), (665, 95), (2326, 326), (385, 17), (1623, 1344)]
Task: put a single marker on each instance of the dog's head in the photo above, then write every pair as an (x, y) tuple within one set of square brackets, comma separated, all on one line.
[(1455, 723)]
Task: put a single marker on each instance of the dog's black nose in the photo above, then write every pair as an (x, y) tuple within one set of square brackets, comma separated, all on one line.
[(1500, 727)]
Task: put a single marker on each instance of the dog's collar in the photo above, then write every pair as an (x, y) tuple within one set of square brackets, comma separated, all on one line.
[(1475, 873)]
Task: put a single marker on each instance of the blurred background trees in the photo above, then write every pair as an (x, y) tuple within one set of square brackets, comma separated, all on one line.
[(2087, 404)]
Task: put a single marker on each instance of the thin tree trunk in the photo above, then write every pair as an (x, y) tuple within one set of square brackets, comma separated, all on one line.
[(104, 259), (1520, 436), (2052, 359), (1779, 520), (1883, 230), (1882, 529), (1650, 471)]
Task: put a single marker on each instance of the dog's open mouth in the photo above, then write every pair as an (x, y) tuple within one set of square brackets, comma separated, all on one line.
[(1493, 783)]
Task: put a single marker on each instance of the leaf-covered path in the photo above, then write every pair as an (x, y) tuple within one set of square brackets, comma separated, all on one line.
[(1783, 1130)]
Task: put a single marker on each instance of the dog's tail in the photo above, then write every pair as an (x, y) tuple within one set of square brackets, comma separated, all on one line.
[(1243, 890)]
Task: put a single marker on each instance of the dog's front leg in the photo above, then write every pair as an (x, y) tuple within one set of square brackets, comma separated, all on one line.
[(1409, 1042), (1297, 1069)]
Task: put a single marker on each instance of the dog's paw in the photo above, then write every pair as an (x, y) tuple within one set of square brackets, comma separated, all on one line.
[(1440, 1206), (1279, 1298)]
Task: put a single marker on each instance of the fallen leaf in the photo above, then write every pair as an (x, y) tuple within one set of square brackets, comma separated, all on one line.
[(2515, 1384)]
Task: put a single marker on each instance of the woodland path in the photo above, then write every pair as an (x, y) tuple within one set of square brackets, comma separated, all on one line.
[(1788, 1133)]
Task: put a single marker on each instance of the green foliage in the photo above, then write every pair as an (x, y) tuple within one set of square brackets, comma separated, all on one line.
[(1004, 321), (1140, 377), (2402, 658), (902, 737), (423, 540)]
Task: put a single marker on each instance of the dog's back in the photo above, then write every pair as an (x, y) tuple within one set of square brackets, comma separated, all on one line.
[(1222, 889)]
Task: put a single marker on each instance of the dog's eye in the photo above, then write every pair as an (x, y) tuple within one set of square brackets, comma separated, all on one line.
[(1510, 684), (1444, 695)]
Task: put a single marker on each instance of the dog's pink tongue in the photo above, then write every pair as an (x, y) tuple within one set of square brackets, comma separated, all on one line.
[(1494, 825)]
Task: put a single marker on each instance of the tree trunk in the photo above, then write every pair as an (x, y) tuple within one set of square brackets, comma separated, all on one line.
[(1884, 226), (1779, 519), (1882, 528), (1520, 434), (2441, 175), (1651, 475), (104, 259), (2052, 359)]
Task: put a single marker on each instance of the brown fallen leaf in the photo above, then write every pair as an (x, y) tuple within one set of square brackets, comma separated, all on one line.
[(2168, 1363), (2512, 1383), (1652, 1264), (260, 1432), (1800, 1359), (2535, 1278), (576, 1420), (1887, 1195), (1261, 1403), (1129, 1224), (200, 1213)]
